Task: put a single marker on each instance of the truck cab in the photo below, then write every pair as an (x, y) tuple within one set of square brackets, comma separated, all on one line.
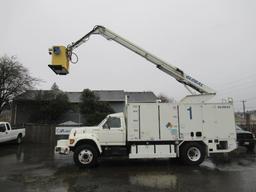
[(111, 131)]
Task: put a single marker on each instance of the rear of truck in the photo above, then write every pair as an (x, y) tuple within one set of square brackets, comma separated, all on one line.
[(18, 134), (190, 131), (211, 123)]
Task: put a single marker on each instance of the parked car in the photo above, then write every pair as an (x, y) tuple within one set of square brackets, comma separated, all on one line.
[(245, 138), (9, 134)]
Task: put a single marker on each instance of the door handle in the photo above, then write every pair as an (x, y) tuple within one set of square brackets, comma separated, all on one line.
[(6, 132)]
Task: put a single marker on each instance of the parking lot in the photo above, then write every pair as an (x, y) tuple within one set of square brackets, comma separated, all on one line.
[(36, 168)]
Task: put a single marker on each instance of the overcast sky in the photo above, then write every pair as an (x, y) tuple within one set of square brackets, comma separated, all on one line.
[(213, 41)]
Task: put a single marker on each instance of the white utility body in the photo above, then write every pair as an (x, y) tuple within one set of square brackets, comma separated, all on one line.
[(9, 134), (191, 129)]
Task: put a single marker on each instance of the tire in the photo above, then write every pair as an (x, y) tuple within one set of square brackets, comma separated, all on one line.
[(192, 153), (19, 139), (85, 156)]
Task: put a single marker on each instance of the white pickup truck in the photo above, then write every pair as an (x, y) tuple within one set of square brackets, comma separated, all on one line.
[(9, 134)]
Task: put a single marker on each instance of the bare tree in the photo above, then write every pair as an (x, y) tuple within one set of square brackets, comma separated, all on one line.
[(14, 80)]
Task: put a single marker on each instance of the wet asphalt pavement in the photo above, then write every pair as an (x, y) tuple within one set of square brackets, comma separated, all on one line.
[(37, 168)]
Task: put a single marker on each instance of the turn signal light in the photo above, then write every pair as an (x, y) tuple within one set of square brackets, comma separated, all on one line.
[(71, 141)]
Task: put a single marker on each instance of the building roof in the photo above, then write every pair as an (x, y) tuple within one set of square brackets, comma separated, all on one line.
[(31, 95), (110, 95), (104, 95), (69, 123), (141, 97), (73, 97)]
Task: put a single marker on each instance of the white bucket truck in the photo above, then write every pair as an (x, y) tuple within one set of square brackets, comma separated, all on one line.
[(191, 130)]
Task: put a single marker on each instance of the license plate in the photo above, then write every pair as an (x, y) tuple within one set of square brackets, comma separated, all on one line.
[(246, 143)]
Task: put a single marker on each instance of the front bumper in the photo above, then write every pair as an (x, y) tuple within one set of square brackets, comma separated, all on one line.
[(62, 147)]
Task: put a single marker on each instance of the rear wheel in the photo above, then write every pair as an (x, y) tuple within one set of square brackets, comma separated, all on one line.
[(19, 139), (192, 153), (85, 156)]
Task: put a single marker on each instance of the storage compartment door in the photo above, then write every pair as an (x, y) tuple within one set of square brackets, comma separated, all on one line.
[(149, 122), (133, 123), (191, 121)]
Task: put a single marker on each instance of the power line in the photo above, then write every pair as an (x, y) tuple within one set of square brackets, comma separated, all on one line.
[(248, 100), (251, 98), (239, 79), (239, 86), (251, 107)]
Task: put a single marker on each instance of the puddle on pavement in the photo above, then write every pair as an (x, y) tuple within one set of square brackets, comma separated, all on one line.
[(37, 168)]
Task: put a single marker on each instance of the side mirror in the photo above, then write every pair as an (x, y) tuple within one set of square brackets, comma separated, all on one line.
[(105, 126)]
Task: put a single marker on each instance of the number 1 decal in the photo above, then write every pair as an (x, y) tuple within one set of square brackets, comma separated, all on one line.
[(190, 112)]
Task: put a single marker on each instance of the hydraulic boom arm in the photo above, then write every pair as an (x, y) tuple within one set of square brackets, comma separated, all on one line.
[(175, 72)]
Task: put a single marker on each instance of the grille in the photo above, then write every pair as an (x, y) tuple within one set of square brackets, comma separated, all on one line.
[(244, 136)]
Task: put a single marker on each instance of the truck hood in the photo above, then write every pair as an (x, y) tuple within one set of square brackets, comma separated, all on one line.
[(82, 130), (242, 131)]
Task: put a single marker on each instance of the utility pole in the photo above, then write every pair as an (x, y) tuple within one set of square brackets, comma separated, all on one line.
[(243, 101)]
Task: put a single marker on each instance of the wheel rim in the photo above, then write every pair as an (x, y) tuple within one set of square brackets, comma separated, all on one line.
[(193, 154), (85, 156)]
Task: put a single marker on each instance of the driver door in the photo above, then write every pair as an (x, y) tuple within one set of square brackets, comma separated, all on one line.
[(112, 132)]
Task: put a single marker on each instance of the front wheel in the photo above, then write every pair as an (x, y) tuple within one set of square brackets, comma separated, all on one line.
[(85, 156), (192, 153)]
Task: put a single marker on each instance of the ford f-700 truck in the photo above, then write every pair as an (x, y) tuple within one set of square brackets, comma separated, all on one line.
[(191, 130), (156, 130)]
